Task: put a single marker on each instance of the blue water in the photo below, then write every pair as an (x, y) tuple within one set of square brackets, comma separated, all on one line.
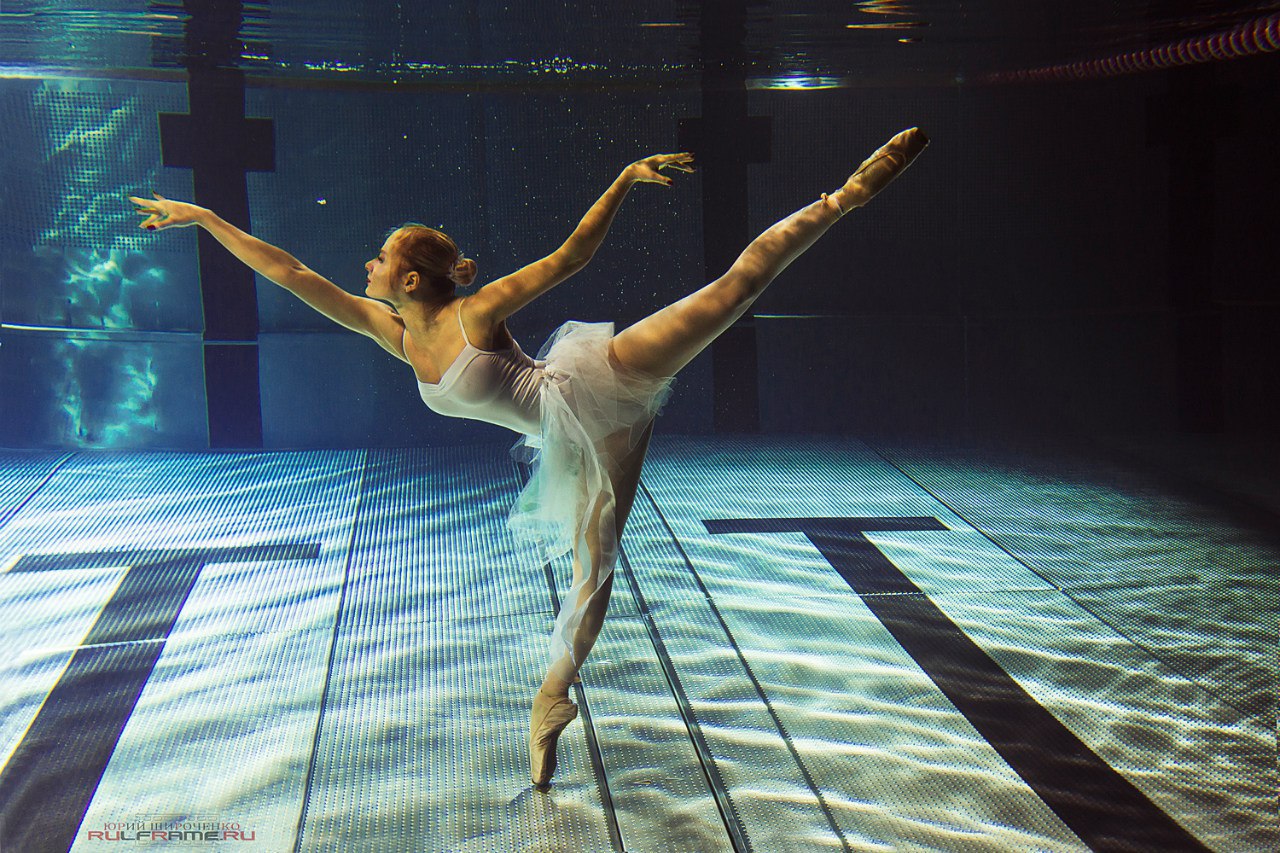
[(1000, 345)]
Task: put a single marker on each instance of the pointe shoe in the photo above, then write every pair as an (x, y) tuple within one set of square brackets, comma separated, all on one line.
[(878, 170), (544, 732)]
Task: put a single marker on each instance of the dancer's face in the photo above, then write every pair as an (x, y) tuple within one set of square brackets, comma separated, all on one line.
[(380, 283)]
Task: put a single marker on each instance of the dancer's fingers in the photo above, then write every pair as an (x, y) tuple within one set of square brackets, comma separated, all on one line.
[(153, 218), (157, 217), (679, 161)]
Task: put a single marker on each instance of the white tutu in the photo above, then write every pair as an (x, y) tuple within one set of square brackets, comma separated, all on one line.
[(585, 397)]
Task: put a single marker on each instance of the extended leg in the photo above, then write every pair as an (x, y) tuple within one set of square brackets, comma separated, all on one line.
[(663, 343)]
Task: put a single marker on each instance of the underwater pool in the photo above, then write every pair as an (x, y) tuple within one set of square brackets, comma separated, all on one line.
[(961, 535)]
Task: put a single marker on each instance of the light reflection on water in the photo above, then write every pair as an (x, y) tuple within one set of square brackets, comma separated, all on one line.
[(580, 43), (104, 407), (89, 269)]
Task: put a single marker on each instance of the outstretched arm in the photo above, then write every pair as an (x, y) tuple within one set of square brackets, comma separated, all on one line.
[(502, 298), (267, 260), (366, 316), (589, 234)]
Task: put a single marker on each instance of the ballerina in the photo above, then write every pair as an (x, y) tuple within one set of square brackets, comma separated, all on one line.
[(584, 407)]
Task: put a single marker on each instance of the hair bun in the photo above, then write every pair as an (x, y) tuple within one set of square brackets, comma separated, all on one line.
[(463, 272)]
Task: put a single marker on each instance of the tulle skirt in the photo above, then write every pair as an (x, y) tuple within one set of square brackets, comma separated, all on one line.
[(595, 410)]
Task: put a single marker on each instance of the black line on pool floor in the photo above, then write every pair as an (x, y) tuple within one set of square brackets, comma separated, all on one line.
[(17, 508), (1093, 799), (49, 781), (1151, 652)]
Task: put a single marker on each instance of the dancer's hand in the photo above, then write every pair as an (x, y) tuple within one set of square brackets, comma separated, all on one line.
[(163, 213), (647, 170)]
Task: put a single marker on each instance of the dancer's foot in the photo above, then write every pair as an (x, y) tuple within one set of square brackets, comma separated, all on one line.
[(875, 173), (550, 715)]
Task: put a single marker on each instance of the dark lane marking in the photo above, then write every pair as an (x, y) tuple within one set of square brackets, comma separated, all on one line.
[(48, 783), (1095, 801), (220, 146)]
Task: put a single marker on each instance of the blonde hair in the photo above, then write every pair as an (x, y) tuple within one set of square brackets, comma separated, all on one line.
[(433, 255)]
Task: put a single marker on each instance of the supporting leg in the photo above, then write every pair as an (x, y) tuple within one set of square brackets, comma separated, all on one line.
[(593, 558), (593, 563), (596, 555)]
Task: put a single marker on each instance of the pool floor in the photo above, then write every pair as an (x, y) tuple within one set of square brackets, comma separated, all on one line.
[(813, 644)]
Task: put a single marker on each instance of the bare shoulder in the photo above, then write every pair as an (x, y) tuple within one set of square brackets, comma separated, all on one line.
[(385, 327), (369, 317), (485, 327), (481, 307)]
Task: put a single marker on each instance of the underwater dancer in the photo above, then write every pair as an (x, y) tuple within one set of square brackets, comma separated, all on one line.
[(585, 407)]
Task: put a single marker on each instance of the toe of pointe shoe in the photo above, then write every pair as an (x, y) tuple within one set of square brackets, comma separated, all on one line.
[(543, 739), (909, 143), (889, 161)]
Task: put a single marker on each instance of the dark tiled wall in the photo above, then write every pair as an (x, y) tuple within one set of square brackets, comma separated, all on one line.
[(1018, 278)]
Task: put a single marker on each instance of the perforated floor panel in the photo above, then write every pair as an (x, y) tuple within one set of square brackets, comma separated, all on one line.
[(813, 644)]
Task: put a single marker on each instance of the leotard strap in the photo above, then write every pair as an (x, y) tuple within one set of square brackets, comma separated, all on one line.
[(464, 328)]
